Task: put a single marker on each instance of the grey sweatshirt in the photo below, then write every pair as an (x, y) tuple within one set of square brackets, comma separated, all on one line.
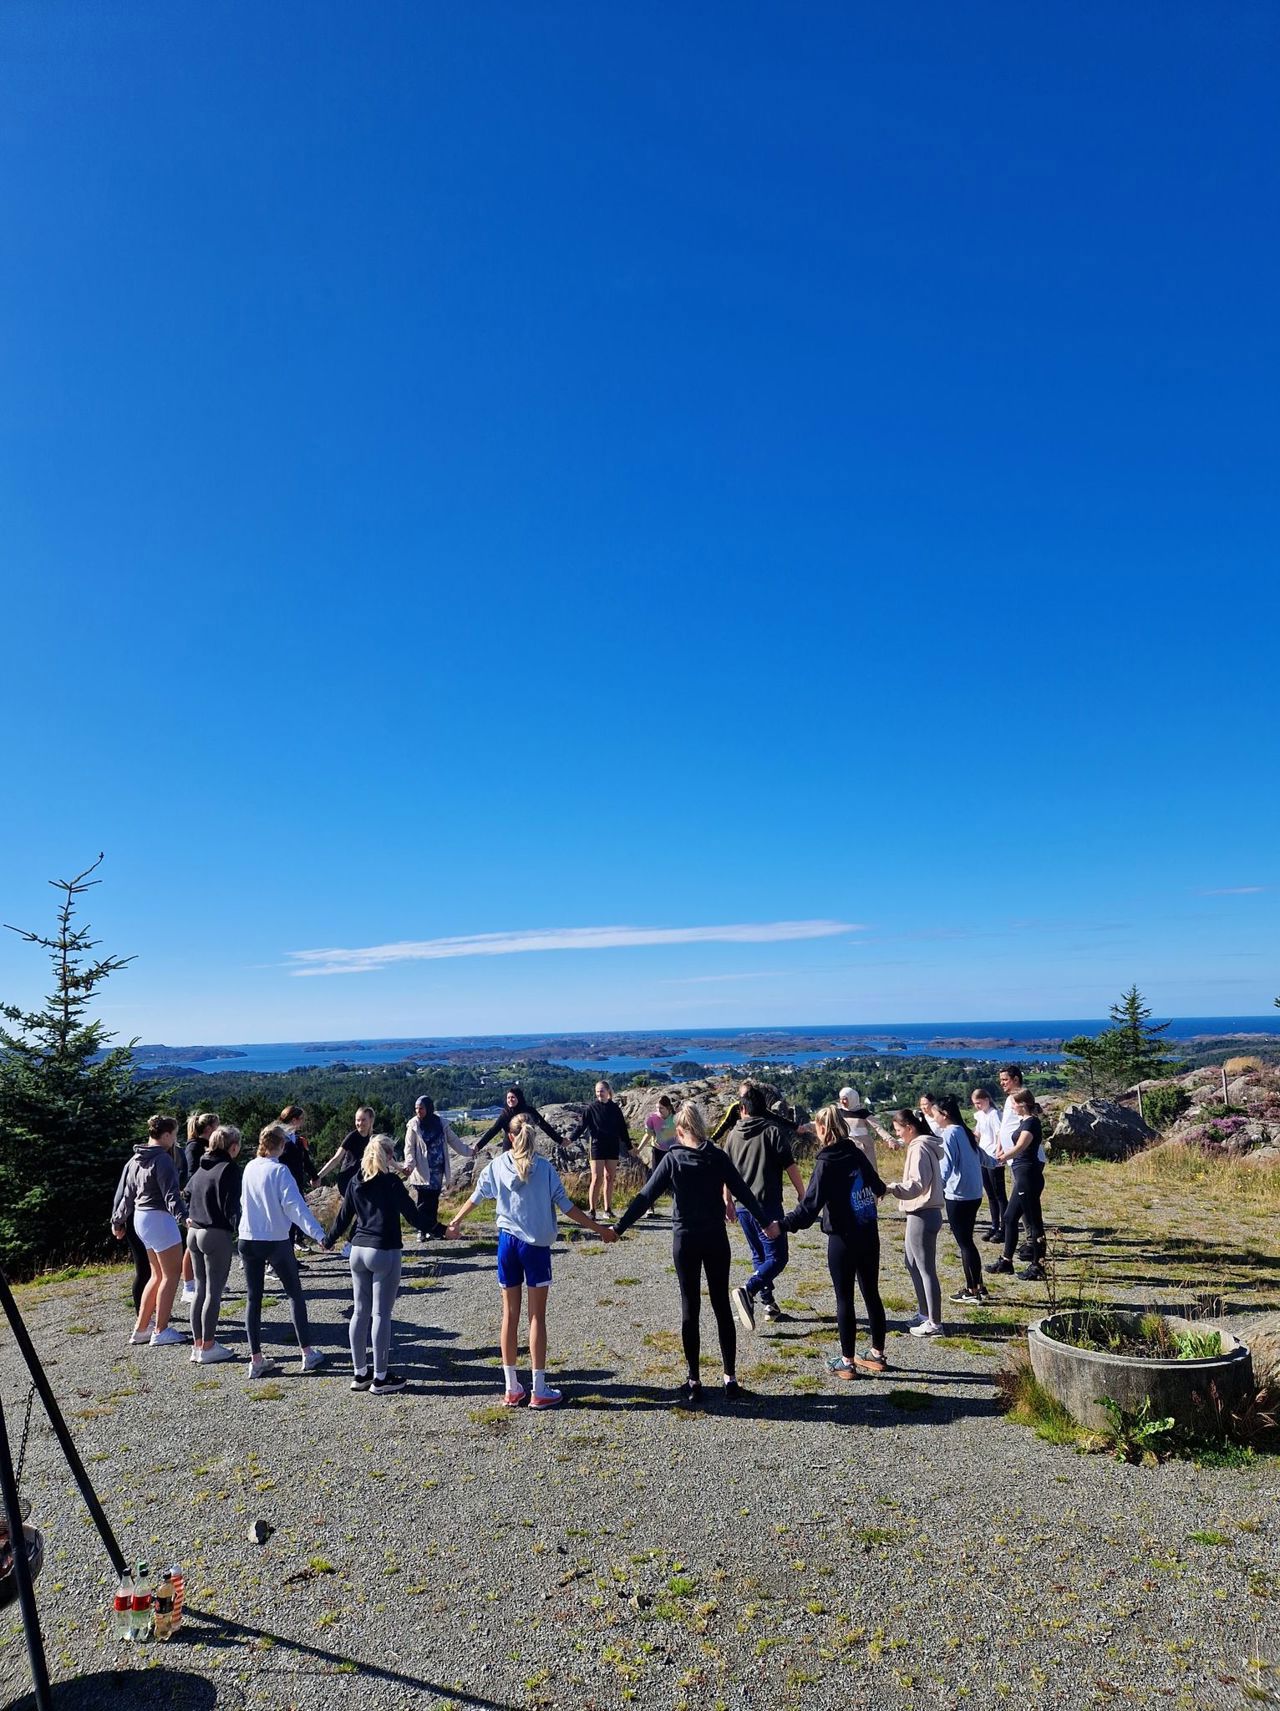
[(148, 1181)]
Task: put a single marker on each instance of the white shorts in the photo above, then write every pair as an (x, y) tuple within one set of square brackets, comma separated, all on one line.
[(155, 1229)]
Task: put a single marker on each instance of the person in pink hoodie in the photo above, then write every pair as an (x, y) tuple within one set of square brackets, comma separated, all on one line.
[(920, 1196)]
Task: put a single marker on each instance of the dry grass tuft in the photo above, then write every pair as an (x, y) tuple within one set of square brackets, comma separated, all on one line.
[(1226, 1181)]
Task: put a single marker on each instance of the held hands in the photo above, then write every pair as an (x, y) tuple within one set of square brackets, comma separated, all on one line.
[(454, 1230), (607, 1235), (773, 1230)]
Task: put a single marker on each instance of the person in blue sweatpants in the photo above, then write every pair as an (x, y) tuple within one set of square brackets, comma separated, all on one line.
[(761, 1151)]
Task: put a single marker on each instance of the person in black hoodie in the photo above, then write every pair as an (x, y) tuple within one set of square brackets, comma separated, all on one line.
[(213, 1216), (296, 1159), (760, 1147), (375, 1202), (610, 1138), (515, 1105), (700, 1178), (843, 1191)]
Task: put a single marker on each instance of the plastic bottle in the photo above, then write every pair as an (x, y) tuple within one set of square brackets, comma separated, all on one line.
[(164, 1607), (143, 1604), (122, 1608), (179, 1593)]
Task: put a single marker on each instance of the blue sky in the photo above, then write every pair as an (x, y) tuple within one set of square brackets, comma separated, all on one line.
[(494, 474)]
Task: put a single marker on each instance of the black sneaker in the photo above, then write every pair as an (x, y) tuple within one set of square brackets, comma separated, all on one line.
[(1033, 1273), (1001, 1265), (1026, 1251), (994, 1236), (966, 1295), (387, 1384), (362, 1381), (689, 1394), (733, 1390), (744, 1309), (774, 1314)]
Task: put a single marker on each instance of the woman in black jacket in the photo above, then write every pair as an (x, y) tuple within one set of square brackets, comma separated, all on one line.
[(515, 1105), (843, 1191), (375, 1202), (698, 1176), (213, 1216), (610, 1138)]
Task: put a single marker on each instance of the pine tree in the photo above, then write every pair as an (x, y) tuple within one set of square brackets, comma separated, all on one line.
[(68, 1105), (1135, 1050)]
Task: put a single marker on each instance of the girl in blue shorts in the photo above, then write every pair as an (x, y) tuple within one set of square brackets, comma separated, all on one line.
[(528, 1190)]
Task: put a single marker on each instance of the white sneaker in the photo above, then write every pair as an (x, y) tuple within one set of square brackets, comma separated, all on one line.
[(547, 1398), (314, 1361), (214, 1353), (195, 1356), (926, 1328), (140, 1337), (188, 1292), (261, 1367), (916, 1319), (170, 1335)]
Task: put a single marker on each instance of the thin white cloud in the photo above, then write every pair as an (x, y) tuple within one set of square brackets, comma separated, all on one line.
[(365, 959), (1234, 891)]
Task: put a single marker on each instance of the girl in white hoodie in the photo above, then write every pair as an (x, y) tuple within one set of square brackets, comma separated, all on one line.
[(270, 1206), (920, 1195)]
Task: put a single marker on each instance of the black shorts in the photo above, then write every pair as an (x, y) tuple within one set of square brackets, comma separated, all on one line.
[(605, 1152)]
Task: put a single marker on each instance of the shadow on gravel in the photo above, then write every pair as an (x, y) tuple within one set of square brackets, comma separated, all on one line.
[(843, 1406), (215, 1631), (123, 1689)]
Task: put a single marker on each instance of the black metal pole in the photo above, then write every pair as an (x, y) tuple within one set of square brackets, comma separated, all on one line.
[(65, 1440), (22, 1574)]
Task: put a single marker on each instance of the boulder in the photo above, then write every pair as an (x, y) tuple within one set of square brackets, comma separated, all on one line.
[(1101, 1128)]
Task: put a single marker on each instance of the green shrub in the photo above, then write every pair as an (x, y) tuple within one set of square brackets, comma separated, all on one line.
[(1163, 1105)]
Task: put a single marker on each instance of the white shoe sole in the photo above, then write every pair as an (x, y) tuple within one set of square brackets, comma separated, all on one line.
[(741, 1314)]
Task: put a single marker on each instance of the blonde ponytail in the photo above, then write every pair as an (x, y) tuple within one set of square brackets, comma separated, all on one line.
[(520, 1135)]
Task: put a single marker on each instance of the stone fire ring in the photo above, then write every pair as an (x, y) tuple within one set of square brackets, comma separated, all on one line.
[(1080, 1378)]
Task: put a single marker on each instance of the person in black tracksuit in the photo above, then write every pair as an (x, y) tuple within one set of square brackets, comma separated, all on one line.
[(610, 1138), (697, 1175), (515, 1105), (843, 1191)]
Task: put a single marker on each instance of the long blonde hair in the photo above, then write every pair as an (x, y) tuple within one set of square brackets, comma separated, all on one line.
[(690, 1119), (378, 1157), (199, 1121), (520, 1135), (830, 1125)]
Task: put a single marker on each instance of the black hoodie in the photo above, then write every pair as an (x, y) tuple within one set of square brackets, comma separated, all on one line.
[(507, 1116), (761, 1151), (842, 1191), (214, 1193), (696, 1178)]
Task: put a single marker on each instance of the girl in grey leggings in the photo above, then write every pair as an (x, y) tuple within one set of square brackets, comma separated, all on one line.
[(920, 1196), (376, 1202)]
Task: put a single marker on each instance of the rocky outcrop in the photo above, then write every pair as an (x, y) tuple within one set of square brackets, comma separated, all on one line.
[(1101, 1128)]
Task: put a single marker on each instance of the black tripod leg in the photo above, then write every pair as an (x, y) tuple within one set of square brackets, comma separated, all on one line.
[(22, 1575), (65, 1440)]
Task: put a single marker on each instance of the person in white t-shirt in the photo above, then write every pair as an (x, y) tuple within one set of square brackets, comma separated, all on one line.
[(988, 1126)]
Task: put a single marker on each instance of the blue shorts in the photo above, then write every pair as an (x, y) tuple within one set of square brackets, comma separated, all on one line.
[(522, 1262)]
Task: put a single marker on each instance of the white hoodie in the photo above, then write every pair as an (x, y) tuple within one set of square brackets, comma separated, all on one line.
[(270, 1204)]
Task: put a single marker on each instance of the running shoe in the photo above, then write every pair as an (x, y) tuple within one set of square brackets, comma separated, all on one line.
[(168, 1337), (915, 1319), (188, 1292), (261, 1367), (140, 1337), (733, 1390), (514, 1398), (966, 1295), (994, 1236), (314, 1361), (1033, 1273), (194, 1357), (388, 1384), (689, 1394), (871, 1363), (839, 1367), (547, 1398), (1001, 1265), (774, 1314), (213, 1354), (1026, 1251), (744, 1309), (927, 1329)]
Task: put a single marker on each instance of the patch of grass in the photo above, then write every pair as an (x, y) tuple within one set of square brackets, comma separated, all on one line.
[(872, 1536), (1209, 1537), (626, 1282), (909, 1401), (805, 1382), (765, 1369), (1024, 1400), (495, 1418), (268, 1392), (969, 1346)]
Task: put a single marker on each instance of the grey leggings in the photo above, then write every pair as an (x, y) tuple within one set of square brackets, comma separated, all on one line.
[(210, 1252), (921, 1249), (375, 1279), (255, 1257)]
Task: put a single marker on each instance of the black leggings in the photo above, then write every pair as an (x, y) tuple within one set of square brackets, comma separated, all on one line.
[(997, 1196), (1024, 1202), (694, 1253), (962, 1215), (851, 1262), (141, 1265), (428, 1201), (256, 1257)]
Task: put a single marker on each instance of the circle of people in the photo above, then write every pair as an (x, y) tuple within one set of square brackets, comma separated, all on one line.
[(948, 1166)]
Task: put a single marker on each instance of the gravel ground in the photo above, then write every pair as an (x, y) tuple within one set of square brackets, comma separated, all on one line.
[(891, 1542)]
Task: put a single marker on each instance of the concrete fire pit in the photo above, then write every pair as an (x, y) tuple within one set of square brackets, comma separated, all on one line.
[(1080, 1378)]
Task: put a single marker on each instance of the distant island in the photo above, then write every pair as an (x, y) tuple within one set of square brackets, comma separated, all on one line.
[(185, 1054)]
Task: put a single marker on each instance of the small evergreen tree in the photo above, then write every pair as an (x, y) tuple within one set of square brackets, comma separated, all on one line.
[(68, 1107), (1134, 1045)]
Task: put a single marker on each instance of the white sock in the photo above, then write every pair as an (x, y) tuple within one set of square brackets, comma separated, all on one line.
[(512, 1377), (540, 1385)]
